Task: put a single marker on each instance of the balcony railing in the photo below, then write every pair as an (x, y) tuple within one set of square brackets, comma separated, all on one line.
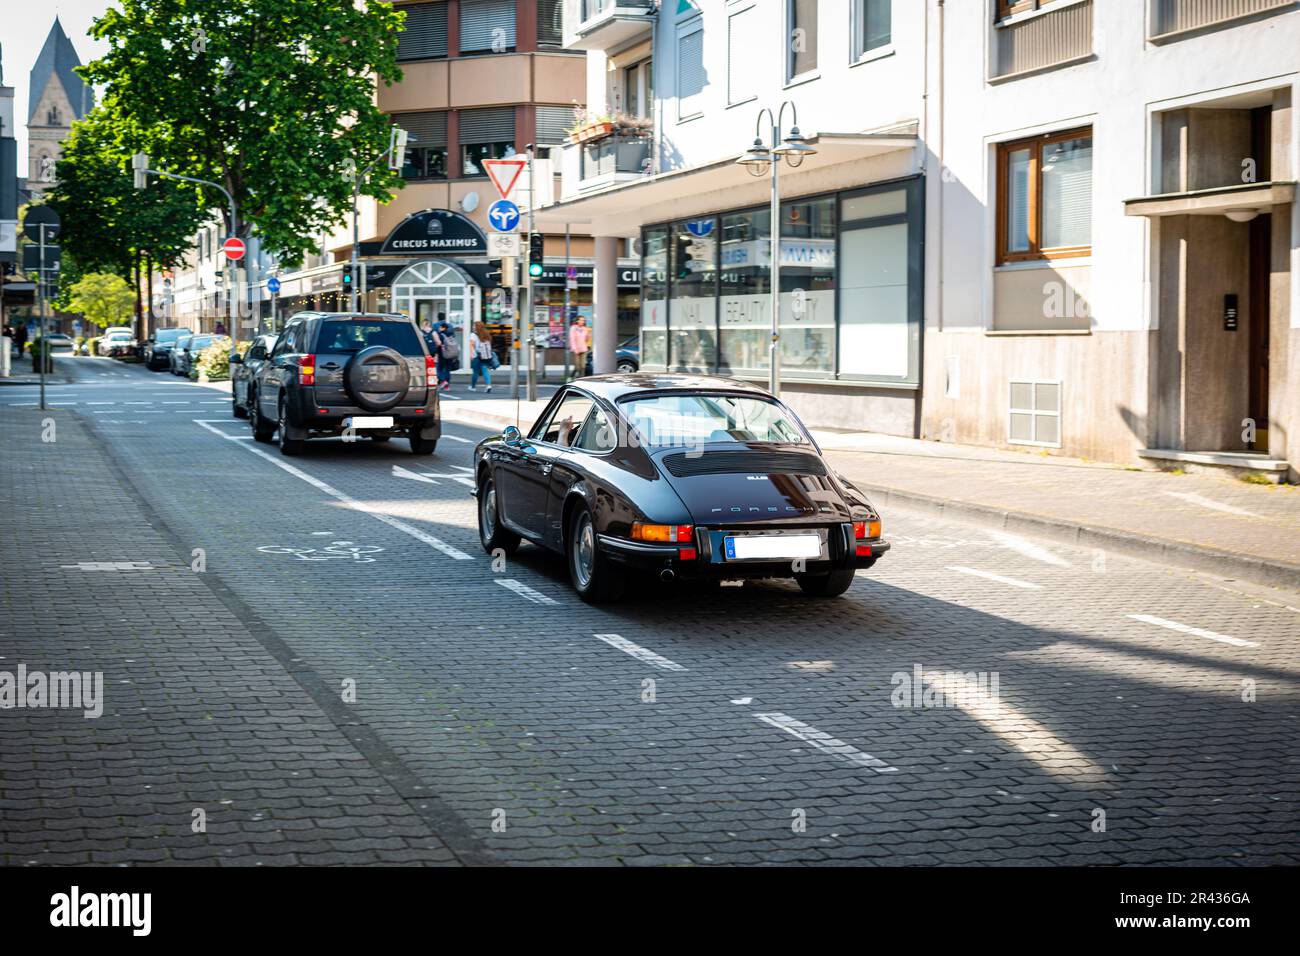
[(1056, 35), (593, 8), (606, 24), (614, 156), (1170, 17)]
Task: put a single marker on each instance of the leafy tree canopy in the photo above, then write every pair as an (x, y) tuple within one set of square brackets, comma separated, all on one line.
[(102, 298), (274, 99)]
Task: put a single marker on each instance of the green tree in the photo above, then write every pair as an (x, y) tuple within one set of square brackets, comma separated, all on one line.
[(107, 225), (102, 298), (274, 100)]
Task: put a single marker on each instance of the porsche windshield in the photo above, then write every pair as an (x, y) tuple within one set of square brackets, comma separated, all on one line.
[(700, 418)]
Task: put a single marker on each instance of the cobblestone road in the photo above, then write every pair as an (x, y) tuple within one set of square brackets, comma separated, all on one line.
[(348, 678)]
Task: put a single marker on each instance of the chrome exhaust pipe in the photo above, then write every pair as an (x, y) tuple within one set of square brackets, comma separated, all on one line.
[(667, 575)]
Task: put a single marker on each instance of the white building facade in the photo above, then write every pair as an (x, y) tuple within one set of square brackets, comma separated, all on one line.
[(1056, 224)]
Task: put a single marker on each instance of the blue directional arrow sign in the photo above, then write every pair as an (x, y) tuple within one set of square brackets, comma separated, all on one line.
[(273, 285), (504, 215)]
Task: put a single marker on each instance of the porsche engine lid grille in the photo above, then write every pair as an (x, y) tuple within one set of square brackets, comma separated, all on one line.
[(685, 465)]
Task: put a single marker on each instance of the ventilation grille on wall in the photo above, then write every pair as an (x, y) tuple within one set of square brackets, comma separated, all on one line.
[(1034, 416)]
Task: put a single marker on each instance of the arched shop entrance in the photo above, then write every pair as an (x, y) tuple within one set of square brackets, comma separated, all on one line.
[(424, 289)]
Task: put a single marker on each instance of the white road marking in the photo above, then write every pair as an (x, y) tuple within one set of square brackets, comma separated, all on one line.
[(454, 398), (1014, 582), (400, 472), (23, 404), (52, 404), (642, 654), (348, 501), (524, 591), (137, 403), (1194, 631), (465, 441), (825, 742), (178, 403), (1028, 548), (1195, 499), (101, 403)]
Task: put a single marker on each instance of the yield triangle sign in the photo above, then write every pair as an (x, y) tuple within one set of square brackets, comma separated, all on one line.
[(504, 173)]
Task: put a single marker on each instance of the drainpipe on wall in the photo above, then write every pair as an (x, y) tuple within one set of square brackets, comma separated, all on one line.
[(654, 65)]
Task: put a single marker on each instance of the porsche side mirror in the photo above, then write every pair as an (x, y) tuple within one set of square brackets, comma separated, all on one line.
[(236, 358), (511, 436)]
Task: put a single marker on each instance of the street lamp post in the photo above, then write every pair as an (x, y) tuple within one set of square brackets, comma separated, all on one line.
[(758, 160)]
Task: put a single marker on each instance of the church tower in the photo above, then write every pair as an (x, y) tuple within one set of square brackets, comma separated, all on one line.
[(58, 96)]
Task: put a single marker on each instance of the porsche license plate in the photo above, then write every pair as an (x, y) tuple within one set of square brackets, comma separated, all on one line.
[(372, 421), (776, 546)]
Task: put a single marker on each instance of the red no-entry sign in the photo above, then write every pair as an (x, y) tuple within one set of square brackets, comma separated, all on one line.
[(233, 248)]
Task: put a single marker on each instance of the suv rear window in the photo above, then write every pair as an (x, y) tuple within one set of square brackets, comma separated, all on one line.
[(353, 335)]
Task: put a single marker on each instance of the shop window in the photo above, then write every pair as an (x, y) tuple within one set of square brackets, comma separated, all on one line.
[(807, 298), (1045, 197), (745, 303), (654, 297), (693, 305)]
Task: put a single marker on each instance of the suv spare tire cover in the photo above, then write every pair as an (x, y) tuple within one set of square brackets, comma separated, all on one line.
[(377, 378)]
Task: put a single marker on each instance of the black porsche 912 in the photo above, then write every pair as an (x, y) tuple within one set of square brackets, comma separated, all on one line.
[(682, 476)]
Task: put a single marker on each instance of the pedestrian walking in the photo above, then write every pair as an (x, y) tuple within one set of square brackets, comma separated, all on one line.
[(448, 351), (482, 360), (20, 337), (579, 345)]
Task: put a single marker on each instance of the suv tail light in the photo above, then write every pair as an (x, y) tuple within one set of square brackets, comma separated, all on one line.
[(307, 370), (430, 372)]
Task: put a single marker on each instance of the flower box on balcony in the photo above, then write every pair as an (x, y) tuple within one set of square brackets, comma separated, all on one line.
[(592, 131)]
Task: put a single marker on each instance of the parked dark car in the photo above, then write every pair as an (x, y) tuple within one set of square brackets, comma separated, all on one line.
[(243, 368), (331, 372), (186, 351), (683, 476), (627, 357), (158, 346), (176, 351)]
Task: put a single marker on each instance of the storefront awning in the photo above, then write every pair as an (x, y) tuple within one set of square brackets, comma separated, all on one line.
[(1248, 197), (622, 209)]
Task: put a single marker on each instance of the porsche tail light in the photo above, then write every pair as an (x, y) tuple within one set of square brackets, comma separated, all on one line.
[(430, 372), (866, 529), (661, 532), (307, 370)]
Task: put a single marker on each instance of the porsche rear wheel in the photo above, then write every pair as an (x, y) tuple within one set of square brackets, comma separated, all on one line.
[(826, 585), (595, 579)]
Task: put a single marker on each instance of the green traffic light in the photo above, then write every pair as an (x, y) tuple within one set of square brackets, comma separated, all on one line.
[(534, 269)]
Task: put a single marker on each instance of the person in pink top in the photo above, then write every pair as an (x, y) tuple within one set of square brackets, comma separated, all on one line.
[(579, 345)]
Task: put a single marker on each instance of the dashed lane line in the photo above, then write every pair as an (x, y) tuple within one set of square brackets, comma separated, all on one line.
[(989, 575), (1194, 631), (644, 655), (524, 591), (436, 543), (825, 742)]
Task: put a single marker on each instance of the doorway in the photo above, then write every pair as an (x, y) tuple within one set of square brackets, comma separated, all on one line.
[(1261, 231)]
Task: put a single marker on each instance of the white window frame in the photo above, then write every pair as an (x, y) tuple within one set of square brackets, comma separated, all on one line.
[(1035, 413), (866, 56), (735, 11), (791, 78)]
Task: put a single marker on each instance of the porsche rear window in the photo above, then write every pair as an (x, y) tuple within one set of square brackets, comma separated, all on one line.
[(352, 335), (689, 419)]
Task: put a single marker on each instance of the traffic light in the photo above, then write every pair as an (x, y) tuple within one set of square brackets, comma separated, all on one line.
[(347, 280), (139, 166), (536, 242), (494, 275)]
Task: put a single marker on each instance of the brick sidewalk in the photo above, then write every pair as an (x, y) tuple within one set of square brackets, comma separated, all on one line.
[(198, 712), (1220, 525)]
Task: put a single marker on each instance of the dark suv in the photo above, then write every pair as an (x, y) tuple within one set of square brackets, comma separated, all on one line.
[(332, 373), (157, 350)]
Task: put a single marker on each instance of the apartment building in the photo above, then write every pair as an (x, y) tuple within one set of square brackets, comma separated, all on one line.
[(1060, 225)]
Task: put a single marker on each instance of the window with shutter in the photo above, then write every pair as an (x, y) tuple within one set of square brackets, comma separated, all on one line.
[(552, 121), (485, 134), (426, 156), (550, 24), (425, 32), (690, 72), (743, 53), (1044, 203), (487, 26)]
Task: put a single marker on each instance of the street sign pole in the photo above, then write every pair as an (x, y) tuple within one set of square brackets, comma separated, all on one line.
[(40, 286), (564, 322), (528, 293)]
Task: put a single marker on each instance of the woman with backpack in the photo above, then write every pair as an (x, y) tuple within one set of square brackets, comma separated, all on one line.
[(481, 357), (448, 351)]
